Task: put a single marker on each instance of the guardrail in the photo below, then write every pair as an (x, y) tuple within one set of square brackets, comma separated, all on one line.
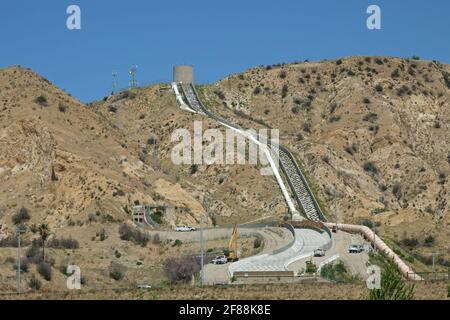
[(265, 274), (432, 276), (291, 243)]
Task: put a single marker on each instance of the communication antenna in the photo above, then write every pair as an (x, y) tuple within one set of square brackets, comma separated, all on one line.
[(114, 81), (133, 81)]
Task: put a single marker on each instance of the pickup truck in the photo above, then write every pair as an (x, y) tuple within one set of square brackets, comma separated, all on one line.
[(356, 248)]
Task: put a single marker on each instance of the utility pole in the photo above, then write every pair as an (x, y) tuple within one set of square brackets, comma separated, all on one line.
[(155, 158), (201, 256), (434, 265), (118, 117), (114, 82), (206, 206), (19, 286), (335, 207)]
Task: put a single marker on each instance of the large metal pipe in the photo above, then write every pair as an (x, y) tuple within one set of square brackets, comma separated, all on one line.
[(379, 244)]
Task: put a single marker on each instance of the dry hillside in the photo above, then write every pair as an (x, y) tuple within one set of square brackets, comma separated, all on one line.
[(378, 129)]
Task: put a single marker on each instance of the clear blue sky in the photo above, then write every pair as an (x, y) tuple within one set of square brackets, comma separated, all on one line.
[(218, 37)]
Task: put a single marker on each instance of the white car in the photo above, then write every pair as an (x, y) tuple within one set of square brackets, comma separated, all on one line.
[(184, 229), (144, 286), (319, 252), (219, 260), (356, 248)]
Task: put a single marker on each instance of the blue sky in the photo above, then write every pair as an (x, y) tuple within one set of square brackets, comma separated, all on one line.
[(217, 37)]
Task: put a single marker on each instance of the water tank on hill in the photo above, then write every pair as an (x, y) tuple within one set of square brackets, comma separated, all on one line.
[(183, 74)]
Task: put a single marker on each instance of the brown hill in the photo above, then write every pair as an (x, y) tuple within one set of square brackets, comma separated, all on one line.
[(64, 162), (378, 129)]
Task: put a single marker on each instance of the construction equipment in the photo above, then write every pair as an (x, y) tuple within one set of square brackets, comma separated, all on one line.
[(232, 252)]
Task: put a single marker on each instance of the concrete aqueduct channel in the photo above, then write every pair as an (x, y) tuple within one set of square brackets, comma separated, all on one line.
[(305, 240)]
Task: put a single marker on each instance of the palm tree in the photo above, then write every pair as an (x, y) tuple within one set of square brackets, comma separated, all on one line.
[(44, 232)]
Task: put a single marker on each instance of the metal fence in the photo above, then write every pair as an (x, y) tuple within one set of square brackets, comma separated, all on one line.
[(433, 276)]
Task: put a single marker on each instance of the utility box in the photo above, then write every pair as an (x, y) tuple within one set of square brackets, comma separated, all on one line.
[(184, 74)]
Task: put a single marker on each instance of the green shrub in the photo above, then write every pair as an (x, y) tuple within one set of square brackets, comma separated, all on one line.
[(35, 283), (410, 242), (257, 90), (257, 243), (62, 107), (21, 216), (24, 264), (370, 117), (429, 240), (116, 271), (284, 91), (397, 190), (369, 166), (395, 73), (193, 169), (41, 100), (157, 217), (45, 270), (393, 287)]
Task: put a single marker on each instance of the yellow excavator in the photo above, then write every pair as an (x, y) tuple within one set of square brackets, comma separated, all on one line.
[(232, 252)]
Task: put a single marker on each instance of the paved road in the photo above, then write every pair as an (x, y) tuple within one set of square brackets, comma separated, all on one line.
[(273, 237), (356, 262), (306, 240)]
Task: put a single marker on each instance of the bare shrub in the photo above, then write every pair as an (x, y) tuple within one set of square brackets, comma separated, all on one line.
[(22, 216), (45, 270), (181, 269), (116, 270), (129, 233), (63, 243), (369, 166)]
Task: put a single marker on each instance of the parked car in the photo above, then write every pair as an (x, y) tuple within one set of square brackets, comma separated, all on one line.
[(356, 248), (319, 252), (144, 286), (219, 260), (184, 229)]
